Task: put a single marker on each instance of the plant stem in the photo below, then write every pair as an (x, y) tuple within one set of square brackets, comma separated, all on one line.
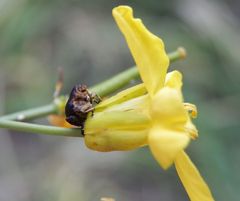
[(31, 113), (104, 88), (41, 129)]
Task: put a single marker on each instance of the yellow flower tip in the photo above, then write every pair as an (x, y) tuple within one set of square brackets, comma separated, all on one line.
[(192, 109), (122, 10), (182, 52), (147, 49), (174, 80)]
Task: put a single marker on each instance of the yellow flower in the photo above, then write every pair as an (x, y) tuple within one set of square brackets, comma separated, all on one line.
[(152, 113)]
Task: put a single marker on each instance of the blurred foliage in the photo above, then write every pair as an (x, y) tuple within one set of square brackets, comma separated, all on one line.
[(38, 36)]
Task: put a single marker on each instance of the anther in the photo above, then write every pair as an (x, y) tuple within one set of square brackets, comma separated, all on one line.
[(192, 131), (192, 109), (182, 52)]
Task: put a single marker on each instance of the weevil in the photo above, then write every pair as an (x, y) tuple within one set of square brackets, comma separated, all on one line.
[(80, 103)]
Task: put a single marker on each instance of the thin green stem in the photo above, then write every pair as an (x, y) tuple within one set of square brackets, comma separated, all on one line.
[(41, 129), (30, 114), (111, 85)]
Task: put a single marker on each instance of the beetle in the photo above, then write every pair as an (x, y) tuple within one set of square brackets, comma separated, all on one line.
[(80, 103)]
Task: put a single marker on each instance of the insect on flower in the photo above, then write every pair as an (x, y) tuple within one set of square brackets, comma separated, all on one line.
[(152, 113), (80, 103)]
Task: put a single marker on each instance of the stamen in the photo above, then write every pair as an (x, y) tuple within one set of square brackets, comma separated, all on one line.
[(192, 109), (193, 132), (182, 52)]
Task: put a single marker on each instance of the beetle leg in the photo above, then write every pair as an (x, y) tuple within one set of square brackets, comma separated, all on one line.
[(95, 98), (87, 108)]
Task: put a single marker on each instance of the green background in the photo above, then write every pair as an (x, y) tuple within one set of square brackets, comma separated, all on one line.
[(36, 37)]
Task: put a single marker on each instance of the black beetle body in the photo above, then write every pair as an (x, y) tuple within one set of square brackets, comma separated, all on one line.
[(79, 104)]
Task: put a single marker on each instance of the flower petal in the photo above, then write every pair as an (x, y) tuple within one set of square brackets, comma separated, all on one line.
[(116, 140), (146, 48), (122, 96), (139, 105), (165, 144), (167, 109), (193, 182), (118, 120), (174, 80), (168, 135)]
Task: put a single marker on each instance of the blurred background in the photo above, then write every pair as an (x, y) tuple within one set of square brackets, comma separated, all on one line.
[(36, 37)]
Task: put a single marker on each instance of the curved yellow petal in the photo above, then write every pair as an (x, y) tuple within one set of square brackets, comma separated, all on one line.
[(139, 105), (193, 182), (146, 48), (165, 144), (174, 80)]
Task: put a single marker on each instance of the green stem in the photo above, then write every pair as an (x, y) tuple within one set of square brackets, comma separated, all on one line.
[(111, 85), (30, 114), (102, 89), (42, 129)]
